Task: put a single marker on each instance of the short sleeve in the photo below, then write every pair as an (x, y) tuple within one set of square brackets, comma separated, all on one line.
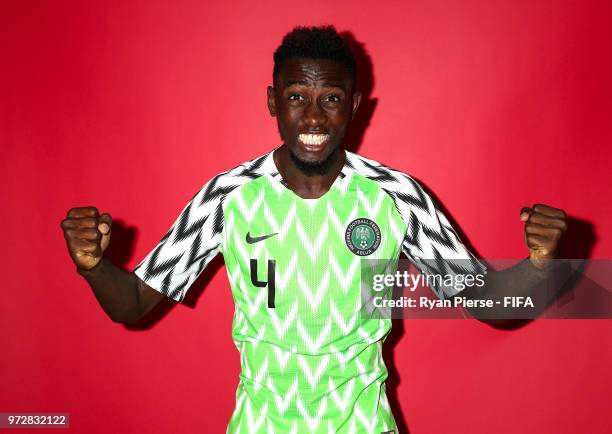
[(433, 246), (190, 244)]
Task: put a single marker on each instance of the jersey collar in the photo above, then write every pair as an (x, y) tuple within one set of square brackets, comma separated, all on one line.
[(269, 167)]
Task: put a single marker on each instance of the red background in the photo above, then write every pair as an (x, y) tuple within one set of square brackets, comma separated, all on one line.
[(132, 106)]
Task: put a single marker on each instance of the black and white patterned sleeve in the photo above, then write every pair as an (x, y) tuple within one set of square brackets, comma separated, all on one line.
[(190, 244), (195, 237), (432, 244)]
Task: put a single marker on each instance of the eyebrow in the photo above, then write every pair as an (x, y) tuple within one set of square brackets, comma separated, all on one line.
[(306, 83)]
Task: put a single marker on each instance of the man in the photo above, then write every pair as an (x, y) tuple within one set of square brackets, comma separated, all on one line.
[(293, 226)]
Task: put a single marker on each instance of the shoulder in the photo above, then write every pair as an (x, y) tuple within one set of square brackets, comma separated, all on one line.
[(392, 180), (405, 191), (225, 182), (248, 170)]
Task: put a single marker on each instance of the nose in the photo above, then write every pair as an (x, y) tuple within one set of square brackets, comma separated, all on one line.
[(314, 115)]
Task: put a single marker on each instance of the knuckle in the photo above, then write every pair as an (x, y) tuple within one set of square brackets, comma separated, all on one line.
[(535, 218), (88, 233), (88, 222), (82, 210), (73, 224)]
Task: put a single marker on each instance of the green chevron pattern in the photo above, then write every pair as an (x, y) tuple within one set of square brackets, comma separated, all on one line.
[(312, 363)]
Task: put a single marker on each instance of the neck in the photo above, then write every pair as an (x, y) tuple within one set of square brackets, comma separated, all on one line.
[(306, 182)]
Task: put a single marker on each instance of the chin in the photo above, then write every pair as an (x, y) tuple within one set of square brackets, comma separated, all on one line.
[(310, 157), (313, 162)]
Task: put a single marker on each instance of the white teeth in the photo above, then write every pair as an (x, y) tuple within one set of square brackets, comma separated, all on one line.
[(312, 139)]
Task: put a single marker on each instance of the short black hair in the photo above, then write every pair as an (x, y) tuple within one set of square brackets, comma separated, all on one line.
[(319, 42)]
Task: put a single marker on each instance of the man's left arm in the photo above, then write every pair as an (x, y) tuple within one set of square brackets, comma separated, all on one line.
[(539, 278)]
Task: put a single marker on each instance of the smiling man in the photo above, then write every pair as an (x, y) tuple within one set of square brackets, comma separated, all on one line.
[(293, 226)]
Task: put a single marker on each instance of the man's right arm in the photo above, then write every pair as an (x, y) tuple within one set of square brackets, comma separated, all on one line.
[(124, 296)]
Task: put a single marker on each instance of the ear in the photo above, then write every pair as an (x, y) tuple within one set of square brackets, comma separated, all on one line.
[(271, 101), (356, 101)]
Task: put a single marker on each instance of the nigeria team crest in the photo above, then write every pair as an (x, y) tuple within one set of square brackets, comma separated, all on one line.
[(362, 236)]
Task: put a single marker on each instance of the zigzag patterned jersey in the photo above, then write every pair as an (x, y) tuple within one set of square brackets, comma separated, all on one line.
[(311, 363)]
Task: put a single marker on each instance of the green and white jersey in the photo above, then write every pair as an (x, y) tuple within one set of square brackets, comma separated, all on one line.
[(311, 363)]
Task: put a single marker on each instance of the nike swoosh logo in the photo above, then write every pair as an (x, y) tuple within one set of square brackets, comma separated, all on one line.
[(253, 240)]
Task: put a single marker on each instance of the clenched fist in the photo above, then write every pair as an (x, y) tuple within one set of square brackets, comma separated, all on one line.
[(87, 234), (544, 227)]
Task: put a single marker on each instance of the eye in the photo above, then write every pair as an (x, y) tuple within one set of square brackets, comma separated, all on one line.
[(295, 97), (332, 98)]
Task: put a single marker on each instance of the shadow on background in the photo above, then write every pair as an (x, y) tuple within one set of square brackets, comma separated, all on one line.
[(123, 241), (365, 84)]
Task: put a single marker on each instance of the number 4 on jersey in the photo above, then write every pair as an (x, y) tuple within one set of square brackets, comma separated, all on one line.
[(270, 282)]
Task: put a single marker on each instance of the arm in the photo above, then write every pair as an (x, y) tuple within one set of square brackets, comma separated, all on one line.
[(121, 294), (522, 280), (540, 277)]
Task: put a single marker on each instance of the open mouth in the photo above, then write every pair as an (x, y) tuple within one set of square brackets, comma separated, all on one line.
[(313, 141)]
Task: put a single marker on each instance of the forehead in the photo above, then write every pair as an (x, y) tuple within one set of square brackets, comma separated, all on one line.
[(313, 72)]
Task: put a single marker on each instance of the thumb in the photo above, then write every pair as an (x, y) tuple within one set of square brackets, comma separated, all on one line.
[(525, 213), (105, 222)]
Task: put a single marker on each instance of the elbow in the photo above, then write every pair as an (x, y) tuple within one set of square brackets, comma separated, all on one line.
[(126, 317), (498, 319), (117, 320), (124, 320), (495, 323), (505, 323)]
